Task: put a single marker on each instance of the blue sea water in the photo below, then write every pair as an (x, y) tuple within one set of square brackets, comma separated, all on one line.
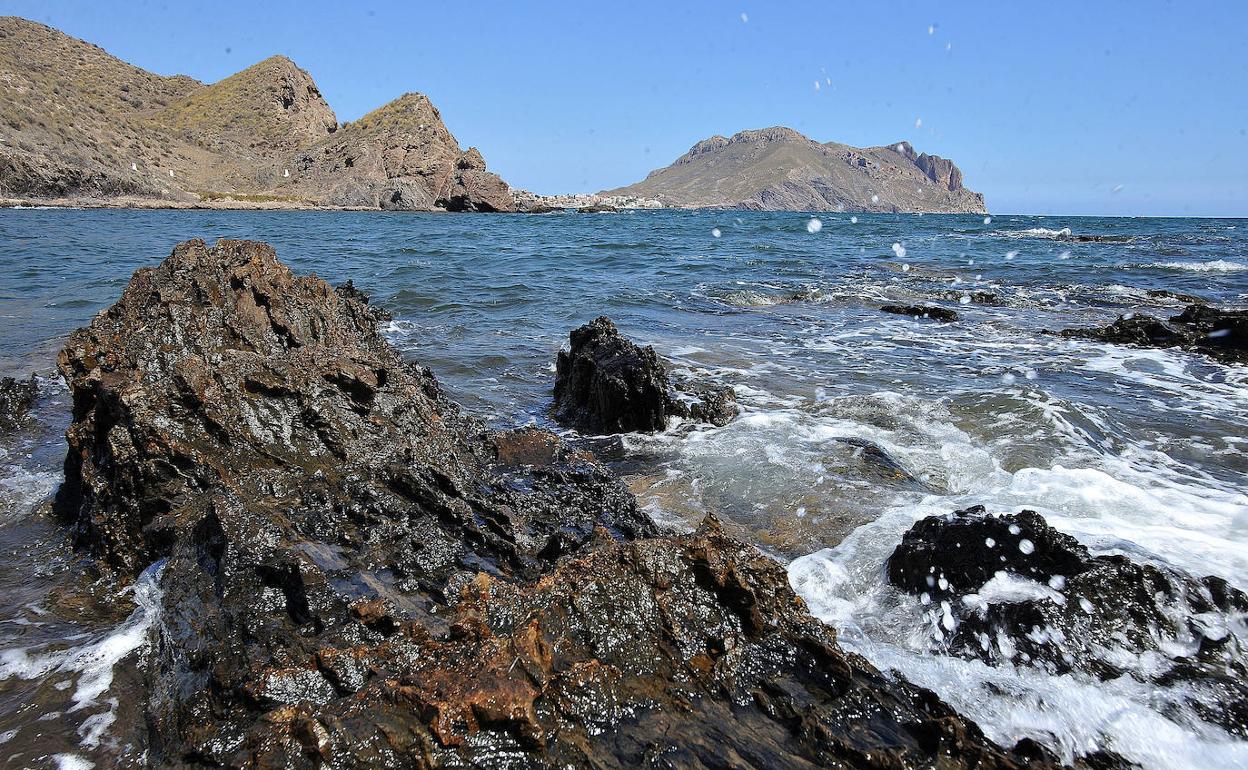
[(1133, 451)]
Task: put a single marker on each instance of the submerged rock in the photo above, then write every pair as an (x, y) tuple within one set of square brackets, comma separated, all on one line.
[(605, 383), (1013, 590), (922, 311), (355, 574), (16, 398), (978, 297), (714, 404), (1219, 333), (1177, 296)]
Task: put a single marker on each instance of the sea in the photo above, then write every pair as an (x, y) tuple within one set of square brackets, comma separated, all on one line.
[(1133, 451)]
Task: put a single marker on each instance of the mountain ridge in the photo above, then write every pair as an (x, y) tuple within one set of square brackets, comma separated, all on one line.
[(778, 168), (78, 124)]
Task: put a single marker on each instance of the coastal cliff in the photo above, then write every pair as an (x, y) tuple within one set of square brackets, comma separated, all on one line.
[(79, 125), (778, 169)]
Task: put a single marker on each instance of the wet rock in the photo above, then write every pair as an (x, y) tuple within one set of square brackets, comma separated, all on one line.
[(1216, 332), (1189, 299), (702, 402), (977, 297), (1011, 589), (922, 311), (879, 464), (16, 398), (597, 208), (607, 384), (355, 574)]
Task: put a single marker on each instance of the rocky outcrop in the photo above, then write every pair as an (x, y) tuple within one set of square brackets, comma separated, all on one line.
[(401, 157), (605, 383), (933, 312), (1221, 334), (16, 398), (779, 169), (1011, 590), (355, 574)]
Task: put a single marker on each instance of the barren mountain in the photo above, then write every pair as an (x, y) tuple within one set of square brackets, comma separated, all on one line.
[(780, 169), (76, 122)]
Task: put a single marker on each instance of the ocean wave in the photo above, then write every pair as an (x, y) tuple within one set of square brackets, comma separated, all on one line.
[(89, 667), (1062, 234), (1212, 266), (1035, 232)]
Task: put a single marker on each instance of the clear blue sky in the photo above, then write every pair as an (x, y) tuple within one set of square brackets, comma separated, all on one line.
[(1053, 107)]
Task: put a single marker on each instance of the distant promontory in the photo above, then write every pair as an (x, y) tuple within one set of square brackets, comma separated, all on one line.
[(779, 169)]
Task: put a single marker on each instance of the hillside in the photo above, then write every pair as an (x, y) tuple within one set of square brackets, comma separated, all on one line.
[(780, 169), (78, 123)]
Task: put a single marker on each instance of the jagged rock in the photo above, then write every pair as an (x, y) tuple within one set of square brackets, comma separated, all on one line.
[(922, 311), (1013, 590), (16, 398), (607, 384), (355, 574), (1219, 333)]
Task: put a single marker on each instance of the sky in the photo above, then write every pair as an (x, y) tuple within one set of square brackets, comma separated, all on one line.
[(1091, 107)]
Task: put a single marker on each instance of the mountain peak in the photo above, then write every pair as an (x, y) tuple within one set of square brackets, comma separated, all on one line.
[(271, 107)]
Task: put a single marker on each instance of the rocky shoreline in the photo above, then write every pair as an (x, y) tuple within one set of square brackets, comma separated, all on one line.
[(353, 572), (357, 574)]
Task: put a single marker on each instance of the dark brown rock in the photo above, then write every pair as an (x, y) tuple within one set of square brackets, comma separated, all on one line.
[(1177, 296), (606, 384)]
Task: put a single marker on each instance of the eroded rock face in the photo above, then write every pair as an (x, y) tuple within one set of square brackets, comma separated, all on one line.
[(355, 574), (16, 398), (1222, 334), (605, 383), (1013, 590)]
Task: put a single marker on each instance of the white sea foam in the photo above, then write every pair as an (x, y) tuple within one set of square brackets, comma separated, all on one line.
[(1211, 266), (1035, 232), (90, 665)]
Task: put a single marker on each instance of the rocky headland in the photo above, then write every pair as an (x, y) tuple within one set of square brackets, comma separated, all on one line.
[(355, 573), (777, 168), (81, 127)]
